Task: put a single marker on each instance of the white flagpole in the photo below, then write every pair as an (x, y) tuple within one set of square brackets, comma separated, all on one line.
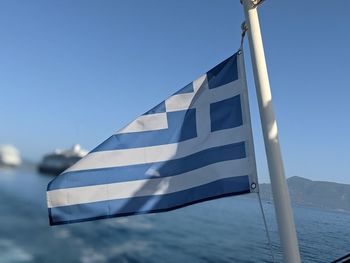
[(279, 187)]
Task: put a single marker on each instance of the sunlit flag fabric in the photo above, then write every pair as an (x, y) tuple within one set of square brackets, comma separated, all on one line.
[(195, 146)]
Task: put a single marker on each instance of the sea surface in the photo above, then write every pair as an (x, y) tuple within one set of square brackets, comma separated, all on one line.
[(225, 230)]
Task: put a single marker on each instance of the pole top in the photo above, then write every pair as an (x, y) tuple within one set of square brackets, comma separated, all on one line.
[(253, 3)]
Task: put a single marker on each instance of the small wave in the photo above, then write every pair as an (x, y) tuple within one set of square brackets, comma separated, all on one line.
[(10, 252)]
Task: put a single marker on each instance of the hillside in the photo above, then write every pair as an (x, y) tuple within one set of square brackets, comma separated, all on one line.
[(319, 194)]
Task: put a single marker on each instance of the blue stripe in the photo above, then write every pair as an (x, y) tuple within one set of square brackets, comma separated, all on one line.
[(160, 108), (187, 89), (181, 127), (149, 204), (225, 72), (147, 171)]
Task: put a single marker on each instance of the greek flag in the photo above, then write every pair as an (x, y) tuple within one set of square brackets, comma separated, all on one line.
[(195, 146)]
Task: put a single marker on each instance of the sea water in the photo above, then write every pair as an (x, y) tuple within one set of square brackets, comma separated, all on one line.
[(224, 230)]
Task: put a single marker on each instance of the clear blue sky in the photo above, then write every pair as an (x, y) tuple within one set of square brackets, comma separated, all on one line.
[(76, 71)]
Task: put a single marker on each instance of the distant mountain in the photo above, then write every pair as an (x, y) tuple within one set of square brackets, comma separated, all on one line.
[(319, 194)]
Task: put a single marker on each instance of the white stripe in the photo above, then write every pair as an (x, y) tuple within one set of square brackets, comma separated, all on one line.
[(159, 153), (178, 102), (197, 84), (148, 187), (149, 122), (203, 95), (183, 101), (223, 92)]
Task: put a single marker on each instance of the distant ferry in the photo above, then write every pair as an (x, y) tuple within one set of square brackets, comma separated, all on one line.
[(9, 156), (58, 161)]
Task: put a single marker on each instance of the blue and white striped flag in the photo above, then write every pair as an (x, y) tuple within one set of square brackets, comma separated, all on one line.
[(195, 146)]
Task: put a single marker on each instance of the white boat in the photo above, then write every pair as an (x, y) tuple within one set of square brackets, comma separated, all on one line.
[(58, 161), (9, 156)]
